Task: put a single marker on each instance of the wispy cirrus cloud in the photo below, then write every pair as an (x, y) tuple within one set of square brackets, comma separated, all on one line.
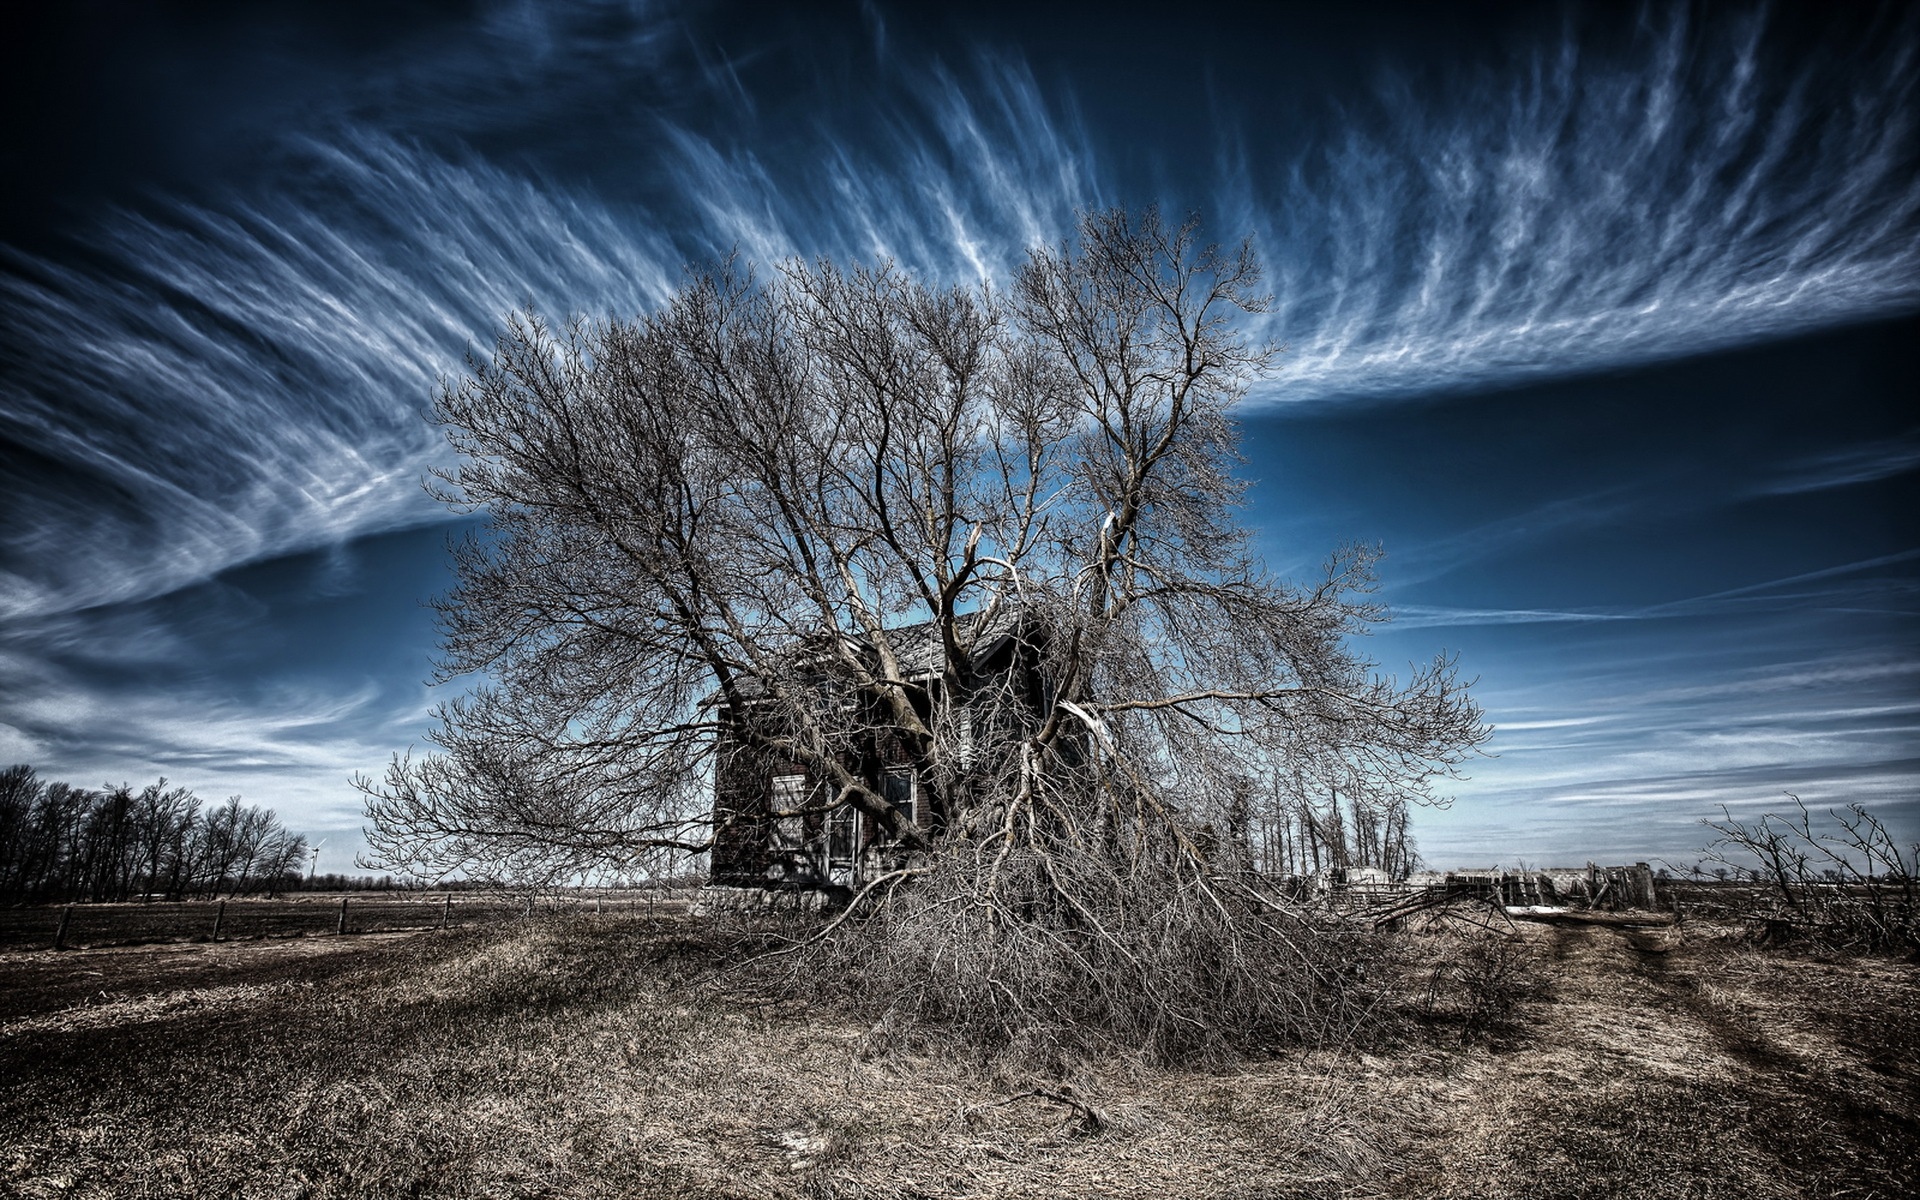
[(1428, 616), (1603, 755), (250, 379), (1586, 211), (289, 749), (244, 374), (1847, 585), (1864, 463), (277, 681)]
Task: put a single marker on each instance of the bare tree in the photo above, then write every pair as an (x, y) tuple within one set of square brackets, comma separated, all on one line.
[(1852, 883), (702, 515), (279, 858), (161, 819), (218, 849)]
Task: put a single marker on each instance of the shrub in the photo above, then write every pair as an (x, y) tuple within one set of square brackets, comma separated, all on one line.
[(1852, 888)]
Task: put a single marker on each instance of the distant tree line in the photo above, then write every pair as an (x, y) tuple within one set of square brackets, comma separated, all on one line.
[(1303, 830), (334, 881), (64, 843)]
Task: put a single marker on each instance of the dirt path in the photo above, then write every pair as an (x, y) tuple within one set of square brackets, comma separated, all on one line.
[(1652, 1067)]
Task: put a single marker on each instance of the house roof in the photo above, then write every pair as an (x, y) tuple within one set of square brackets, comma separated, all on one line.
[(917, 647)]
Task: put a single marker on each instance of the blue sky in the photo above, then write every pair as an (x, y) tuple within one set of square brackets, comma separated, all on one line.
[(1602, 322)]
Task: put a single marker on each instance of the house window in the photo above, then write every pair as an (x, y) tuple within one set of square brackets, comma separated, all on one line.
[(789, 794), (902, 793), (843, 833)]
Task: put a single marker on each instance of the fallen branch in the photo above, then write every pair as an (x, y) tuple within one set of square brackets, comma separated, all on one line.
[(822, 934), (1088, 1119)]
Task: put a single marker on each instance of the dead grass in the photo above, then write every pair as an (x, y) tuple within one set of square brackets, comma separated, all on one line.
[(576, 1057)]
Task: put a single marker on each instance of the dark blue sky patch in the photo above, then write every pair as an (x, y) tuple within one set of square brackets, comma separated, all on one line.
[(1657, 626)]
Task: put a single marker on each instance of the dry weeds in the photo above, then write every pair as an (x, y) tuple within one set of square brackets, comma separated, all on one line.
[(575, 1057)]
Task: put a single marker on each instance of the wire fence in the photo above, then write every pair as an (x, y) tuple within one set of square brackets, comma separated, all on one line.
[(81, 926)]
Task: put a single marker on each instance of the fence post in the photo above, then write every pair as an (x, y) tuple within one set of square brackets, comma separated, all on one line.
[(60, 938), (446, 912), (529, 903), (343, 916), (219, 915)]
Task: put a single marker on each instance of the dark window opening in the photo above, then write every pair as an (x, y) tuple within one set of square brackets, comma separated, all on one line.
[(843, 833), (902, 793)]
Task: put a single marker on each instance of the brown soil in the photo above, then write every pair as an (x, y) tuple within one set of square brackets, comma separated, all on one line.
[(575, 1057)]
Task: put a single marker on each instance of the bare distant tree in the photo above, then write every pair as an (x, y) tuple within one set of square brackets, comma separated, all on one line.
[(698, 514), (279, 857), (22, 795), (162, 817)]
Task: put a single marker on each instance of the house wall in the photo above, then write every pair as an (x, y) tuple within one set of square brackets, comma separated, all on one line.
[(744, 855), (742, 834)]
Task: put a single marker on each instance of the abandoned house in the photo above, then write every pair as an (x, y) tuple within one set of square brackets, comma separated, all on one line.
[(776, 826)]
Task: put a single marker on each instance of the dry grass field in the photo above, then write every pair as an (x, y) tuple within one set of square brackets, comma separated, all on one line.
[(591, 1057), (302, 914)]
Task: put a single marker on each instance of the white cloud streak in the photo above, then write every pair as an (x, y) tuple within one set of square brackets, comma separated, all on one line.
[(290, 749), (250, 382), (1863, 463), (1850, 594)]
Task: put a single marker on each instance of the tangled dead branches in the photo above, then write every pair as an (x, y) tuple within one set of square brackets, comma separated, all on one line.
[(1061, 953)]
